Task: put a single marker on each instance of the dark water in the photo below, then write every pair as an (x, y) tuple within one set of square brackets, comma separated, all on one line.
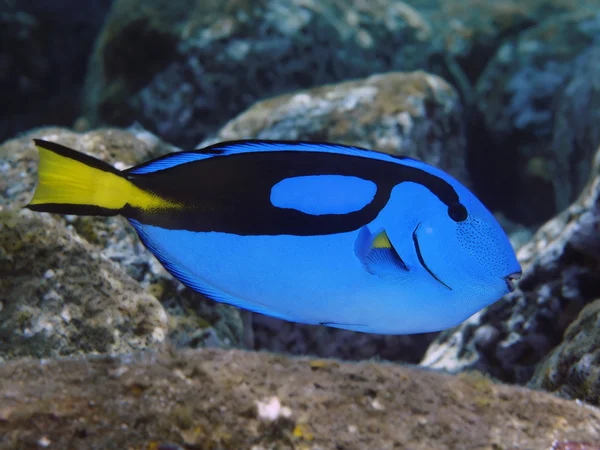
[(44, 52)]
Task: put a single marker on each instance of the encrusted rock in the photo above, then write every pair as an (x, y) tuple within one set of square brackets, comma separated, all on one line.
[(572, 370), (194, 320), (466, 33), (413, 114), (560, 277), (576, 132), (61, 297), (215, 399), (210, 60), (516, 99)]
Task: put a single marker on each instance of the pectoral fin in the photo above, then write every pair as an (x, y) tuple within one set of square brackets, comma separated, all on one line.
[(377, 254)]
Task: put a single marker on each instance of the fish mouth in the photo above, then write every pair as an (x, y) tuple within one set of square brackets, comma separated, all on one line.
[(510, 280)]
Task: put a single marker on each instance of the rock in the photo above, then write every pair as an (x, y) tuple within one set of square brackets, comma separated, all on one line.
[(560, 276), (211, 60), (286, 337), (413, 114), (468, 33), (516, 100), (572, 370), (518, 234), (61, 297), (194, 320), (43, 60), (212, 398), (576, 133)]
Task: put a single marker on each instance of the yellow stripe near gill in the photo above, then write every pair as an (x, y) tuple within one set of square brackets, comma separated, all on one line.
[(65, 180), (381, 241)]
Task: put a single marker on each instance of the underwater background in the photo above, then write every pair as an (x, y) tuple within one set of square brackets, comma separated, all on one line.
[(101, 348)]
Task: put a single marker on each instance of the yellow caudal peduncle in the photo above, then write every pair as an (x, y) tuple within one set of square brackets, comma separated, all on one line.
[(65, 180)]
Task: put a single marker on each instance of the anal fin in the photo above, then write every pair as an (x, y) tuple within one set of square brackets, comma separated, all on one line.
[(347, 326)]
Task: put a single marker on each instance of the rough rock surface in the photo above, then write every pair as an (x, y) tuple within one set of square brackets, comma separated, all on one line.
[(193, 319), (59, 296), (572, 370), (412, 114), (210, 60), (560, 276), (213, 59), (42, 64), (515, 98), (240, 400), (576, 132), (468, 32)]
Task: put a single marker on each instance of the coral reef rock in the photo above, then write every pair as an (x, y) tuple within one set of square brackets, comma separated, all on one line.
[(413, 114), (576, 132), (572, 370), (560, 276), (516, 98), (468, 32), (61, 297), (193, 319), (211, 398), (210, 60)]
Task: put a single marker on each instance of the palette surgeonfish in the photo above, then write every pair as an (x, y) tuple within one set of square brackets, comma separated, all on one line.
[(314, 233)]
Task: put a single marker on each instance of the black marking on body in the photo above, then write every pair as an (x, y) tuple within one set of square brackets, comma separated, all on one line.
[(232, 193), (422, 261)]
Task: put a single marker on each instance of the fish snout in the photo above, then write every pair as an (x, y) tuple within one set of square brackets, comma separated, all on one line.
[(510, 280)]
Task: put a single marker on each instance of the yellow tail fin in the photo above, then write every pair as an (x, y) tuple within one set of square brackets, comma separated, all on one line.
[(71, 182)]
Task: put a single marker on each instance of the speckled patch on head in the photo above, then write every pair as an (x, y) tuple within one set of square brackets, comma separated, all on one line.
[(481, 241)]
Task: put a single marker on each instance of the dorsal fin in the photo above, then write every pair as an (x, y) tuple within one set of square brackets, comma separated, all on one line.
[(256, 145), (167, 161), (251, 146)]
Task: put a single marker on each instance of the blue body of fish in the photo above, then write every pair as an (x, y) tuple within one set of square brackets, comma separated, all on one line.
[(323, 234)]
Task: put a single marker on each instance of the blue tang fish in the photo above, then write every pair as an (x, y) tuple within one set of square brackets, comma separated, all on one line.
[(307, 232)]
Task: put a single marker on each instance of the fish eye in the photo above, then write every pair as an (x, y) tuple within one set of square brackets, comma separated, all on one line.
[(457, 212)]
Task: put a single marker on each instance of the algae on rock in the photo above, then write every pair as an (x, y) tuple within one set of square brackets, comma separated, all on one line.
[(61, 297), (516, 98), (193, 319), (210, 60), (211, 398), (572, 369), (413, 114)]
